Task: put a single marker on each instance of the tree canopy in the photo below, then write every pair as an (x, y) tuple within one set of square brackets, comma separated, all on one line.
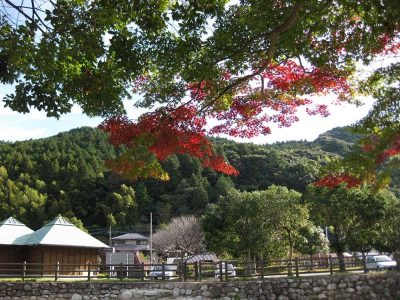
[(355, 215), (376, 159), (262, 224), (243, 64)]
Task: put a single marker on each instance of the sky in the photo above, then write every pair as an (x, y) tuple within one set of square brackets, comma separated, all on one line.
[(16, 126)]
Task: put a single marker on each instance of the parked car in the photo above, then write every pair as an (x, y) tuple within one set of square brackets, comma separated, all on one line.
[(231, 270), (379, 262), (156, 272)]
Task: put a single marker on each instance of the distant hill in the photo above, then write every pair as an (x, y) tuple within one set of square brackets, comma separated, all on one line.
[(338, 140), (66, 174)]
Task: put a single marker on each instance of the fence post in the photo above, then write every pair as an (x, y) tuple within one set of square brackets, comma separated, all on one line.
[(200, 271), (142, 275), (220, 271), (262, 268), (57, 270), (180, 270), (296, 265), (88, 271), (184, 271), (121, 271), (23, 270), (226, 271), (196, 271), (330, 264), (163, 271), (289, 268)]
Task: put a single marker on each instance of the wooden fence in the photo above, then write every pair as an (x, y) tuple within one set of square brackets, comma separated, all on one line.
[(182, 271)]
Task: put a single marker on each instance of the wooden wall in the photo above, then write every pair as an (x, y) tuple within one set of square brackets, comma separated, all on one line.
[(70, 259), (10, 259), (42, 260)]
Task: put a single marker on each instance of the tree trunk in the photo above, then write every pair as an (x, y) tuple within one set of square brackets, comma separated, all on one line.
[(364, 261), (342, 265), (290, 265), (396, 256), (247, 270)]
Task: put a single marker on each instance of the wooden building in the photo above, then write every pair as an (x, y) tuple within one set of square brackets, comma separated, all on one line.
[(61, 243), (12, 232)]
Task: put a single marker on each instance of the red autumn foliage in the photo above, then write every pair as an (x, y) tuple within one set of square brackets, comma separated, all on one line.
[(290, 75), (182, 129), (199, 91), (167, 131), (378, 150), (394, 149), (277, 102), (320, 109), (333, 181), (388, 44)]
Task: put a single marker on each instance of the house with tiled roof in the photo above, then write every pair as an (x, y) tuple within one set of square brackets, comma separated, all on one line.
[(131, 241), (132, 247)]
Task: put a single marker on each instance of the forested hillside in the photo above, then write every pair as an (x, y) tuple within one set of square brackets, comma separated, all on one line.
[(66, 174)]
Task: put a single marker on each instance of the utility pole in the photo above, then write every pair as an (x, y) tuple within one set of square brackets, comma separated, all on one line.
[(109, 235), (151, 238)]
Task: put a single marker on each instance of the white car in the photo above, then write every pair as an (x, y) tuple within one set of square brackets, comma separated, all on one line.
[(156, 272), (231, 270), (379, 262)]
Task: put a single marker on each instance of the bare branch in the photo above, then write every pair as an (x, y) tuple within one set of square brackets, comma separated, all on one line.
[(33, 9), (20, 10), (182, 234)]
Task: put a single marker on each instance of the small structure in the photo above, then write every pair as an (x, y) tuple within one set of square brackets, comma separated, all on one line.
[(323, 259), (60, 242), (10, 252), (205, 258), (129, 250), (131, 242), (131, 247)]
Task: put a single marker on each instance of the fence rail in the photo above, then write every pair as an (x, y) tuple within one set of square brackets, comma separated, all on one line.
[(182, 271)]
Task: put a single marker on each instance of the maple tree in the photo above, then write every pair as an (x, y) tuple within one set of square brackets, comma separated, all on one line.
[(377, 154), (241, 65), (158, 135)]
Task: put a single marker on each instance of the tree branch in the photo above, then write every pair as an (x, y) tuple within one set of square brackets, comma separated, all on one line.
[(22, 12), (273, 37)]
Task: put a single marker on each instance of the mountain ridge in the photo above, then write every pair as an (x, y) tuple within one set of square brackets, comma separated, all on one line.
[(66, 174)]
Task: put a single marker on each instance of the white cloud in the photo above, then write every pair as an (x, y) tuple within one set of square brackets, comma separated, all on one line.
[(19, 134), (33, 115)]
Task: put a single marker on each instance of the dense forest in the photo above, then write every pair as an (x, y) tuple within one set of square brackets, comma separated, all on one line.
[(66, 174)]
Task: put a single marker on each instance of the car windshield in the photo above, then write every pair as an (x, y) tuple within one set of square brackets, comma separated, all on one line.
[(382, 258)]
